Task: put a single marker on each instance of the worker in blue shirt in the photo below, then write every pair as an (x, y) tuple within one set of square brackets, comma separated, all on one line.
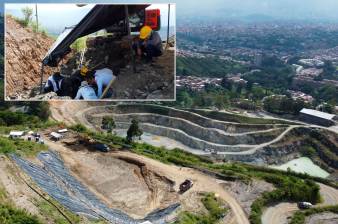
[(86, 92), (102, 78)]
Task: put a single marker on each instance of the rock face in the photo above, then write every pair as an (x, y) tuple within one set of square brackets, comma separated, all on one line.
[(24, 53)]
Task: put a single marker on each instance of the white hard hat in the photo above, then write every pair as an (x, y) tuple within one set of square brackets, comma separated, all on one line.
[(84, 83)]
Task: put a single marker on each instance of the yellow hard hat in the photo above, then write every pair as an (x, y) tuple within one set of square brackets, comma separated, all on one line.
[(145, 32), (84, 71)]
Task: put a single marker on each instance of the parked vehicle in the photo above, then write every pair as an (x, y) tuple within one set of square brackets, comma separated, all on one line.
[(101, 147), (36, 135), (304, 205), (186, 185)]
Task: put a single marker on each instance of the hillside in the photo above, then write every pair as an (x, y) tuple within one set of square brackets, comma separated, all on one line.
[(24, 52)]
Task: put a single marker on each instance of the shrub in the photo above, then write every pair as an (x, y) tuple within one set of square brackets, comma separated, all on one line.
[(79, 128), (10, 215)]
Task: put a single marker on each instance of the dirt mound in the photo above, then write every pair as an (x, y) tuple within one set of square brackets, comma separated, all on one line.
[(24, 51), (123, 183)]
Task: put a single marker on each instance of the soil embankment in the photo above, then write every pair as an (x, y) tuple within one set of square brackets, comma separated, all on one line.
[(25, 50)]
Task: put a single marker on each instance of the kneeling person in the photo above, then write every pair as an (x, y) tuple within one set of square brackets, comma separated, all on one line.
[(53, 83), (102, 78), (86, 92), (149, 44)]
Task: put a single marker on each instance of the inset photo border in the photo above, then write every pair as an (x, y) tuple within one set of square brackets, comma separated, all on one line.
[(94, 52)]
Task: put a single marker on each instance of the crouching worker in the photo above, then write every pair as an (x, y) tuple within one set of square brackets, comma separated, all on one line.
[(149, 44), (86, 92), (53, 83), (102, 78)]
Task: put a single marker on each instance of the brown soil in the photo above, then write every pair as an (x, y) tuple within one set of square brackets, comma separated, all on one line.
[(24, 53), (122, 183), (151, 81)]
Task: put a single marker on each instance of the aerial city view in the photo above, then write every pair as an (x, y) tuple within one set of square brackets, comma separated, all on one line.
[(244, 131)]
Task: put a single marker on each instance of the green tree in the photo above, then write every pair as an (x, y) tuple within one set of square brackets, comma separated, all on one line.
[(27, 13), (108, 123), (134, 131), (39, 109), (326, 107), (227, 84), (184, 99)]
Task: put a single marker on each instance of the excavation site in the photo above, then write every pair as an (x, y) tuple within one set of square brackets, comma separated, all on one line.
[(93, 45)]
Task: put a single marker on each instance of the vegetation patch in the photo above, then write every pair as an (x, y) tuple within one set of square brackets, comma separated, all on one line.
[(216, 211), (48, 211), (20, 147), (10, 215)]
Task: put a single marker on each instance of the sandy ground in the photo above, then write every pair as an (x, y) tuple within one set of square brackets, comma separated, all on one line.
[(322, 218), (159, 141), (122, 185)]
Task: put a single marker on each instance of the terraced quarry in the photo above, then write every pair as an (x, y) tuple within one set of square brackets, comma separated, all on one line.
[(220, 135), (197, 132)]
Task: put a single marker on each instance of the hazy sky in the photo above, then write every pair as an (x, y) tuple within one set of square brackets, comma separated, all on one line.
[(280, 9)]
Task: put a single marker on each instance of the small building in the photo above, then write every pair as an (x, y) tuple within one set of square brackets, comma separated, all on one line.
[(55, 136), (16, 134), (316, 117)]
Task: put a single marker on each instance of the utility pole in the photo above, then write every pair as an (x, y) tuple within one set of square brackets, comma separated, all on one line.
[(168, 26), (126, 12), (36, 16)]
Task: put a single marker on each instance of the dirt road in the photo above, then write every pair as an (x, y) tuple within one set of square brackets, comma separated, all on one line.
[(279, 213)]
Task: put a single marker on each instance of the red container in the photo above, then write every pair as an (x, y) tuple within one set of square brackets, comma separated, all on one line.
[(153, 19)]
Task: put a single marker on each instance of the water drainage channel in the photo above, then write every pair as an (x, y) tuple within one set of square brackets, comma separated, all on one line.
[(55, 179)]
